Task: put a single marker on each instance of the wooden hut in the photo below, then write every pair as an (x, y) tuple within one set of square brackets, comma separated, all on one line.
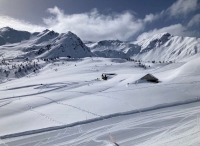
[(150, 78)]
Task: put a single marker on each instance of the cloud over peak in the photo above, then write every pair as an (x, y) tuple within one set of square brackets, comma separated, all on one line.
[(177, 29), (19, 24), (95, 26)]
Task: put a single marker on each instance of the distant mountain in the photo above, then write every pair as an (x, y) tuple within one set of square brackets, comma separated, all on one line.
[(162, 47), (41, 44), (113, 48), (9, 35)]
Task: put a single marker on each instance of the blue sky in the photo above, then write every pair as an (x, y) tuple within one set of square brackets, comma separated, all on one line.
[(104, 19)]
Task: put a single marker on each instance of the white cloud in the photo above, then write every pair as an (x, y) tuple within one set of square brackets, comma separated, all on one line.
[(176, 29), (194, 21), (18, 24), (151, 17), (88, 26), (182, 7), (178, 8), (95, 26)]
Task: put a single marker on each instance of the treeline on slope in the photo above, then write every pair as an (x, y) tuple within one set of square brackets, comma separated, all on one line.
[(16, 68), (142, 63)]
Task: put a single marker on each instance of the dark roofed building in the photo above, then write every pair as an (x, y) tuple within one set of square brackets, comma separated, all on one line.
[(150, 78), (105, 76)]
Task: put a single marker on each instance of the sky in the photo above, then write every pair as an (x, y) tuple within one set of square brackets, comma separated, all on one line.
[(95, 20)]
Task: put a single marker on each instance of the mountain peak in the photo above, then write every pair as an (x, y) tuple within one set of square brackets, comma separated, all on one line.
[(69, 33), (161, 35), (46, 30), (6, 29)]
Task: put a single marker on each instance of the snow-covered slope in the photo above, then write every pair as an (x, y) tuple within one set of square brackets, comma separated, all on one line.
[(67, 103), (160, 47), (174, 126)]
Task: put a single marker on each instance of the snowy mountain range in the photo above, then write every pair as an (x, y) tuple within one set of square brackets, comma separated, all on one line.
[(161, 47), (44, 44)]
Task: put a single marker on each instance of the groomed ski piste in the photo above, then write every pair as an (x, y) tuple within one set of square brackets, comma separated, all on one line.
[(65, 101)]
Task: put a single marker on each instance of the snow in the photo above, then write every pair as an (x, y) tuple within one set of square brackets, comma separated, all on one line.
[(65, 101)]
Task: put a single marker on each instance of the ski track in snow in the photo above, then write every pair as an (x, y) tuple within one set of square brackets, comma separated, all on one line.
[(31, 108), (59, 103), (86, 136)]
